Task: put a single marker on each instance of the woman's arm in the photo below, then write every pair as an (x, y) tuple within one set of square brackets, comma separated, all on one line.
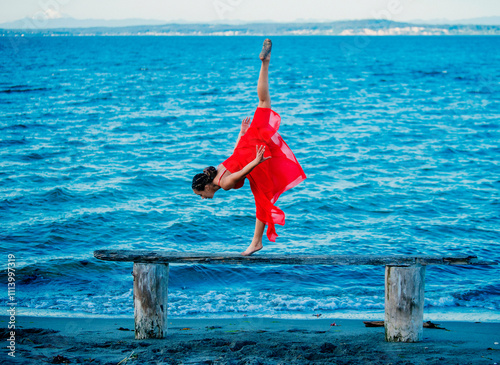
[(228, 182), (244, 127)]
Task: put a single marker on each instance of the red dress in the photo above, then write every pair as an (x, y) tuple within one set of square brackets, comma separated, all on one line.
[(272, 177)]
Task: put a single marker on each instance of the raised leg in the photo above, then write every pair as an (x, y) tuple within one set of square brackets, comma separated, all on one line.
[(263, 84), (256, 244)]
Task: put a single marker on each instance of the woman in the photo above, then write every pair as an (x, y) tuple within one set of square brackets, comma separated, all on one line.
[(262, 157)]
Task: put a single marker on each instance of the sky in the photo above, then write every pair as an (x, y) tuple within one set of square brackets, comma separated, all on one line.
[(250, 10)]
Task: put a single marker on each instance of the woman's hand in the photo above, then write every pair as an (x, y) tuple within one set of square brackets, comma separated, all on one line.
[(229, 182), (245, 125), (259, 158)]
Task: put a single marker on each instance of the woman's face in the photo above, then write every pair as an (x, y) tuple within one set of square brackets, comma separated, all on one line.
[(207, 193)]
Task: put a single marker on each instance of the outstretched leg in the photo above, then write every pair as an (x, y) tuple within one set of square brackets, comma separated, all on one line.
[(264, 102), (263, 84), (256, 244)]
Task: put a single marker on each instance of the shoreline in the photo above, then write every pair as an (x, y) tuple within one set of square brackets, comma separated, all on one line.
[(245, 340), (430, 314)]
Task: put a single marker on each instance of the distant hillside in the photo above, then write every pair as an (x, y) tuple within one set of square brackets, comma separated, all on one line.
[(354, 27), (487, 20)]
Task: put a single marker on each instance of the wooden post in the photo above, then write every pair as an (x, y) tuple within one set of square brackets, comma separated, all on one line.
[(404, 303), (150, 300)]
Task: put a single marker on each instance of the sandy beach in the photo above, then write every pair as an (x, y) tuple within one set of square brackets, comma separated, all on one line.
[(245, 341)]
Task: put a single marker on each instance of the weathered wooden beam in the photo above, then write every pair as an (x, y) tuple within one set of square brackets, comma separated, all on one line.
[(404, 298), (404, 303), (144, 256), (150, 300)]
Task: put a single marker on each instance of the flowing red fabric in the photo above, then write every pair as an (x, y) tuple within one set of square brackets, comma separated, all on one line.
[(272, 177)]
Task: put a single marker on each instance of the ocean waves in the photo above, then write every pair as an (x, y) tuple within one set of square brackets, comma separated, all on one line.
[(400, 149)]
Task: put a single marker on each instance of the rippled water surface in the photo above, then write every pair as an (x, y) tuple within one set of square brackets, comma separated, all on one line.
[(100, 137)]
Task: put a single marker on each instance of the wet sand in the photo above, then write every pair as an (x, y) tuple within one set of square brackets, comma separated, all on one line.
[(41, 340)]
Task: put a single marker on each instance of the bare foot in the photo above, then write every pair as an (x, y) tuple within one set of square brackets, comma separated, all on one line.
[(254, 247), (265, 54)]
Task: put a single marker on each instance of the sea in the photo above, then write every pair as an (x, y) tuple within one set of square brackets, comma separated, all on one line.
[(100, 137)]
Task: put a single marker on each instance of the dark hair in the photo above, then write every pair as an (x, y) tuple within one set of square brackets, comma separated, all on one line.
[(200, 180)]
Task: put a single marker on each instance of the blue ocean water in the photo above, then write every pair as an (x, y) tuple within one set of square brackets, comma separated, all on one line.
[(100, 138)]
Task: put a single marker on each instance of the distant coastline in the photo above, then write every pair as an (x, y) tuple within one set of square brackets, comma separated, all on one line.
[(369, 27)]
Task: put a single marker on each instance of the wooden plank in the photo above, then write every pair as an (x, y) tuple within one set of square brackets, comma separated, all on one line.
[(171, 257)]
